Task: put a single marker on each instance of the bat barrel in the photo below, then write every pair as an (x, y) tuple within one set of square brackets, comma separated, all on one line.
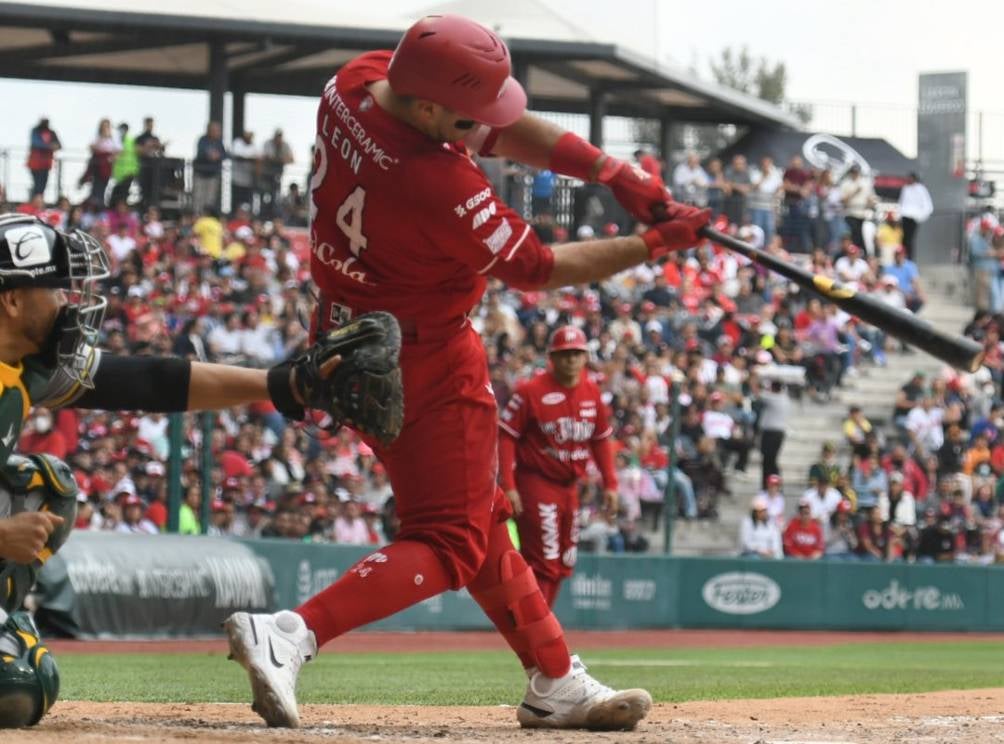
[(960, 352)]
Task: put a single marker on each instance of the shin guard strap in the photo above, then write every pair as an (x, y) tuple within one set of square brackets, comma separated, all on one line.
[(510, 591)]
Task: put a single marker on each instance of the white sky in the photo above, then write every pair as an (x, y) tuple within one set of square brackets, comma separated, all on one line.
[(869, 53)]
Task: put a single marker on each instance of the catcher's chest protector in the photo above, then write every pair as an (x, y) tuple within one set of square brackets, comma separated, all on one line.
[(17, 388)]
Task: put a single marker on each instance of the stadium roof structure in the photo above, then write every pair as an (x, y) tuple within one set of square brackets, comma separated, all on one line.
[(293, 47)]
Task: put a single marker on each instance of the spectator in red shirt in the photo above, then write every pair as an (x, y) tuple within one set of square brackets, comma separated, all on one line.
[(873, 536), (803, 537), (797, 227), (40, 437), (914, 478), (44, 143)]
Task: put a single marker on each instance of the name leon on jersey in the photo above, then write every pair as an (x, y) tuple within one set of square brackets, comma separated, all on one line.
[(344, 146)]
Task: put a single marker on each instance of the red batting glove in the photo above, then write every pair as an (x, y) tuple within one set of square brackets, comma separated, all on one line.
[(636, 190), (677, 231)]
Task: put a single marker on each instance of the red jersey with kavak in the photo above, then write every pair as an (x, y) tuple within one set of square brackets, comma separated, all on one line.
[(555, 426), (402, 223)]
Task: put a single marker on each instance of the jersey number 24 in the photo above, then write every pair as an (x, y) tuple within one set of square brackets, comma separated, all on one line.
[(349, 216)]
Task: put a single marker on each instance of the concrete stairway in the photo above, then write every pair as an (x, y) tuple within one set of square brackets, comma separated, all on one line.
[(811, 424)]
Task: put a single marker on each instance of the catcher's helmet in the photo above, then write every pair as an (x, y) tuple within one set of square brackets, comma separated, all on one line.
[(460, 64), (567, 338), (29, 679), (34, 254)]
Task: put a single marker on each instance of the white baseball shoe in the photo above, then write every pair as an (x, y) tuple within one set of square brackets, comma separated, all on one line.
[(577, 701), (272, 648)]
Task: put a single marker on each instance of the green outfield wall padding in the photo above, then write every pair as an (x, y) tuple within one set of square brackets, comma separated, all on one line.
[(109, 585)]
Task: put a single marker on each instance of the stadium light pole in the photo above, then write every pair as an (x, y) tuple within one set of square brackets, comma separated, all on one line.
[(206, 420), (669, 503), (175, 435)]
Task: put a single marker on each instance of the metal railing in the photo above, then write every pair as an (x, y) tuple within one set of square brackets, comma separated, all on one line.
[(168, 180)]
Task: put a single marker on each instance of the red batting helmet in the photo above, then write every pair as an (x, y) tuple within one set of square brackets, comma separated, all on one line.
[(459, 64), (567, 338)]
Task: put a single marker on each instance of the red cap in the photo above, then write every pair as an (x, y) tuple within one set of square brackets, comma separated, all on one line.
[(648, 306), (567, 338), (716, 397), (232, 482), (458, 64), (218, 505), (773, 479), (844, 507), (132, 500)]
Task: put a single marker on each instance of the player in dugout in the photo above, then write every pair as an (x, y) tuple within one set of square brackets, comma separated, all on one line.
[(404, 221), (553, 424), (50, 314)]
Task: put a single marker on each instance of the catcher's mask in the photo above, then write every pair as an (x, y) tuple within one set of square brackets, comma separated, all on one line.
[(34, 254)]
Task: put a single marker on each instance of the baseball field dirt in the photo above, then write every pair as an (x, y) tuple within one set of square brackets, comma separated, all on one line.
[(968, 717), (971, 716)]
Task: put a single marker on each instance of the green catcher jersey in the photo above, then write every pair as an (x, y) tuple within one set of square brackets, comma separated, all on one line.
[(34, 383)]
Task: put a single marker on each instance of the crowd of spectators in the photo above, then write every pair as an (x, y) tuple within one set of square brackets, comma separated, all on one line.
[(806, 207), (926, 486), (732, 343)]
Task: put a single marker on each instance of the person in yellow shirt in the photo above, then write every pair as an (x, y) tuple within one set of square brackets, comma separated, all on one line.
[(856, 429), (237, 248), (209, 231), (888, 237)]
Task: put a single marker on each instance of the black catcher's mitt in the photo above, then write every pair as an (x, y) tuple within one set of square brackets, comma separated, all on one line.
[(364, 390)]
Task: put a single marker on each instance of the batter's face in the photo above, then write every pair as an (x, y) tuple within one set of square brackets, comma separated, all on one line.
[(568, 366), (440, 123)]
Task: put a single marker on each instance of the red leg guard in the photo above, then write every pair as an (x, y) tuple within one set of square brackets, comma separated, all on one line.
[(507, 591), (382, 583), (549, 588)]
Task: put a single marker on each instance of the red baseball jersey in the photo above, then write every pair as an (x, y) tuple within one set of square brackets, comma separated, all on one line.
[(803, 540), (403, 223), (554, 425)]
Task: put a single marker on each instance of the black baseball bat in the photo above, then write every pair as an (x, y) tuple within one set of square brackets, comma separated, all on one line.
[(962, 353)]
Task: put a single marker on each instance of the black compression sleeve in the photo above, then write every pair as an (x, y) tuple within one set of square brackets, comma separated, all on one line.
[(139, 383)]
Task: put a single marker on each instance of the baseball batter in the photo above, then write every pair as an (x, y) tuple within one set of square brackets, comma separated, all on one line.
[(553, 424), (50, 312), (404, 221)]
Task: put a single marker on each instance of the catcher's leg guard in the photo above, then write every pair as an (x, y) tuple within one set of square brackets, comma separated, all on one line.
[(29, 679), (507, 591), (34, 483)]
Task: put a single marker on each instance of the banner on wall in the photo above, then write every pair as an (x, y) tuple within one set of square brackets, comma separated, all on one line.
[(111, 585), (108, 585)]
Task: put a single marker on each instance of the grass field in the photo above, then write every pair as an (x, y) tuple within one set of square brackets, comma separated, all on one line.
[(491, 678)]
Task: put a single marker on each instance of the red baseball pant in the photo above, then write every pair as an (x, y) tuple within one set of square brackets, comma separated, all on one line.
[(548, 529), (443, 470)]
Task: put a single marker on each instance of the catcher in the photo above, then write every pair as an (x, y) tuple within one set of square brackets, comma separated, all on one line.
[(50, 313)]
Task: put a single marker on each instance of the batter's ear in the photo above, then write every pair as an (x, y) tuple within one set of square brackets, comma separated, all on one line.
[(427, 111)]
